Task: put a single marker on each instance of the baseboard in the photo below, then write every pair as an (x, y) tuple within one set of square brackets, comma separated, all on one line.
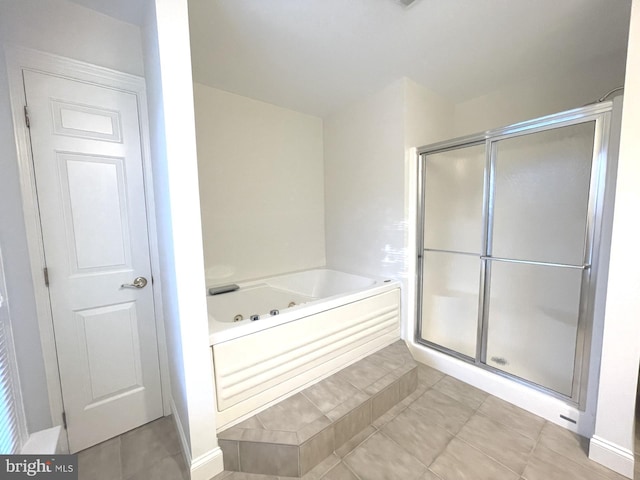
[(612, 456), (186, 449), (207, 466), (204, 467), (44, 442)]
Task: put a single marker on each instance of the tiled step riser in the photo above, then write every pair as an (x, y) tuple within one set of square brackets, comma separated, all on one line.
[(292, 454)]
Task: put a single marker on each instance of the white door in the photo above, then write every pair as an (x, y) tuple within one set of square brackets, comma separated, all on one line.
[(88, 168)]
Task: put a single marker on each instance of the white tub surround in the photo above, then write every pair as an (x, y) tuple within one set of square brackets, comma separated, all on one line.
[(338, 319)]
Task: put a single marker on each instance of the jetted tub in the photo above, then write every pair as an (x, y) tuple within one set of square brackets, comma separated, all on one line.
[(310, 325)]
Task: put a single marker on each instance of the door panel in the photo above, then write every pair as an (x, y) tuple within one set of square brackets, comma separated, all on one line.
[(94, 198), (112, 361), (450, 298), (533, 322), (541, 195), (88, 168), (540, 214), (454, 189), (81, 121), (452, 243)]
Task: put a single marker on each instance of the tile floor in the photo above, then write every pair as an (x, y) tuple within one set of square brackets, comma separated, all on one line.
[(151, 452), (446, 430)]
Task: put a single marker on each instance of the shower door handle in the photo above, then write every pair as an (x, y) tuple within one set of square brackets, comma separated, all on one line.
[(532, 262)]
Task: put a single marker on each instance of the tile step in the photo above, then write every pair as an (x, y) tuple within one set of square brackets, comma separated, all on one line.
[(293, 436)]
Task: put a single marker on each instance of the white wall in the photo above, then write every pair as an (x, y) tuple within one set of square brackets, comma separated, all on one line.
[(67, 29), (261, 187), (428, 118), (541, 96), (173, 145), (613, 442), (54, 26), (367, 168), (365, 212), (364, 184)]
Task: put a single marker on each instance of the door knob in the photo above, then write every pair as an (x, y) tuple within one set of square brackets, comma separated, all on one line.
[(138, 282)]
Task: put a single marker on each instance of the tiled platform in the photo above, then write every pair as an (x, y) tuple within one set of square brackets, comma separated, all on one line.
[(293, 436)]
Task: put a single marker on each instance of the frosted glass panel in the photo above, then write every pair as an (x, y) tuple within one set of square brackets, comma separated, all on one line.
[(541, 195), (450, 286), (453, 193), (533, 322)]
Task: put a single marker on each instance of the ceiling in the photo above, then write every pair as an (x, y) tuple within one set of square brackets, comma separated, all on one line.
[(316, 56)]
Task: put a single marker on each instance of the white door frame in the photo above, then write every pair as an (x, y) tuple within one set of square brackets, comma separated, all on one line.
[(19, 59)]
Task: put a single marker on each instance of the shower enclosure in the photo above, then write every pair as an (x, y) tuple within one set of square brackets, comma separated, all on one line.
[(510, 223)]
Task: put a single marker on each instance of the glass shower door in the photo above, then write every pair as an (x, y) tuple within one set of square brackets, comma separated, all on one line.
[(537, 253), (511, 221), (453, 234)]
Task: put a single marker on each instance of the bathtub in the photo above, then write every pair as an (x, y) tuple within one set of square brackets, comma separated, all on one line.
[(310, 325)]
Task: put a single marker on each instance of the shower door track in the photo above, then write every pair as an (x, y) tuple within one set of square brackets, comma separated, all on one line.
[(601, 167)]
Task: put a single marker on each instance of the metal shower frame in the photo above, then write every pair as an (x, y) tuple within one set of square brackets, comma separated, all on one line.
[(601, 166)]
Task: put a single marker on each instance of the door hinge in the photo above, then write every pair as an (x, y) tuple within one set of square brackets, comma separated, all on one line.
[(46, 276), (64, 420), (26, 117)]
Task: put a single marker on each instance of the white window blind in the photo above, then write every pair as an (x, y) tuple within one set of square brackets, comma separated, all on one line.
[(11, 436)]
